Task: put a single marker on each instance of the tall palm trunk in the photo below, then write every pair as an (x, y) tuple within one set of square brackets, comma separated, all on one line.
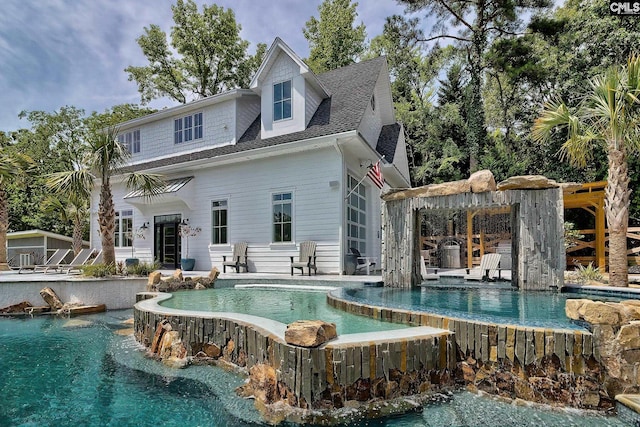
[(617, 211), (107, 221), (77, 235), (4, 226)]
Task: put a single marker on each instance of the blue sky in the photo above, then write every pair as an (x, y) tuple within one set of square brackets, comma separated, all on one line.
[(73, 52)]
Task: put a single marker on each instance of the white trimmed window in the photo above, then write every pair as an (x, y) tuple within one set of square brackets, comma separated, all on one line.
[(187, 128), (130, 141), (282, 101), (124, 229), (219, 225), (357, 216), (282, 217)]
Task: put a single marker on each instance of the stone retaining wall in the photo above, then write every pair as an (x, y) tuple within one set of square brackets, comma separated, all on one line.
[(322, 377), (554, 366)]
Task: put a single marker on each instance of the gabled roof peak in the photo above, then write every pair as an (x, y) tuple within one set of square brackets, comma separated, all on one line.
[(278, 46)]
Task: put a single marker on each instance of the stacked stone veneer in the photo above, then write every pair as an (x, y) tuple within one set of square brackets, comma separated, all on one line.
[(324, 377), (553, 366), (537, 218)]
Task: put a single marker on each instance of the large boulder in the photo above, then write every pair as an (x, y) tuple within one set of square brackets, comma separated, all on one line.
[(572, 308), (527, 182), (482, 181), (600, 313), (154, 279), (629, 336), (309, 333), (214, 273), (448, 188)]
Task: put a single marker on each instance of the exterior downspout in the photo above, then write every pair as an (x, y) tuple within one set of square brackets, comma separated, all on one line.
[(336, 145)]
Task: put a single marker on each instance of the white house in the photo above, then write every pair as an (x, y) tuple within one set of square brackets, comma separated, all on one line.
[(271, 165)]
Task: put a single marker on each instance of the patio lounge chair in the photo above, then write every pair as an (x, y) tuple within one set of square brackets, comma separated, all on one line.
[(363, 263), (488, 268), (424, 271), (307, 258), (238, 259), (77, 262), (53, 262), (98, 259)]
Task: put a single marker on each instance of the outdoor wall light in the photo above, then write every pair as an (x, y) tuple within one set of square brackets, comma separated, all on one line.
[(184, 222), (144, 226)]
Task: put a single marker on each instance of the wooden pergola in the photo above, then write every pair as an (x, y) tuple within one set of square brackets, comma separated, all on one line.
[(590, 197)]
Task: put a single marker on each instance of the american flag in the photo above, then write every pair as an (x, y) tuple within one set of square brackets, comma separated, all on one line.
[(375, 174)]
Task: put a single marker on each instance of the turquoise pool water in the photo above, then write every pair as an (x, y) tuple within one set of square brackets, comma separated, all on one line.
[(285, 306), (485, 303), (54, 372)]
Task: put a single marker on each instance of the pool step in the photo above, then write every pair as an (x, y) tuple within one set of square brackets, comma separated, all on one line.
[(628, 407)]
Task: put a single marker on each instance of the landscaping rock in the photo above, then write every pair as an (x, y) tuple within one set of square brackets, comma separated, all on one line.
[(629, 336), (199, 286), (448, 188), (21, 307), (214, 273), (527, 182), (572, 307), (482, 181), (570, 187), (309, 333), (262, 384), (597, 312), (177, 275), (154, 278), (212, 350), (51, 298)]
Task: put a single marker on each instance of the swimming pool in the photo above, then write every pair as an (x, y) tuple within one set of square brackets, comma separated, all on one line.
[(82, 372), (495, 304), (286, 305)]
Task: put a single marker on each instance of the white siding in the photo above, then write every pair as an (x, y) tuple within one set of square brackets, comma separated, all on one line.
[(283, 69), (247, 109), (156, 139), (311, 103), (248, 187), (371, 123)]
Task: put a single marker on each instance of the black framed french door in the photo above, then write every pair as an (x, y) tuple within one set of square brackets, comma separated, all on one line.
[(167, 242)]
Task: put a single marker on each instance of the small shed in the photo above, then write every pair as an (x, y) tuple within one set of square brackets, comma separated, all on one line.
[(30, 246)]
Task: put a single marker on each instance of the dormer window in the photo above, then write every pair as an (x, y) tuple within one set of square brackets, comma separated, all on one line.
[(282, 101), (130, 141), (187, 128)]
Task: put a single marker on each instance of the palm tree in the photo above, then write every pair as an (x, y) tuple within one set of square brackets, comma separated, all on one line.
[(608, 116), (12, 164), (105, 159), (69, 208)]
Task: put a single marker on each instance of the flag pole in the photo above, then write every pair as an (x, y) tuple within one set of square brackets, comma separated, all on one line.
[(363, 178)]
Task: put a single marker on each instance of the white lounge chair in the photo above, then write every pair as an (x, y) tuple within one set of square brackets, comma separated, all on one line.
[(307, 258), (98, 258), (424, 271), (363, 263), (77, 262), (488, 268), (53, 262), (238, 258)]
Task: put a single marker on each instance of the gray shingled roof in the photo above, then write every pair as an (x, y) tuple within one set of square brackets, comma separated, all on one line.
[(388, 140), (351, 88)]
